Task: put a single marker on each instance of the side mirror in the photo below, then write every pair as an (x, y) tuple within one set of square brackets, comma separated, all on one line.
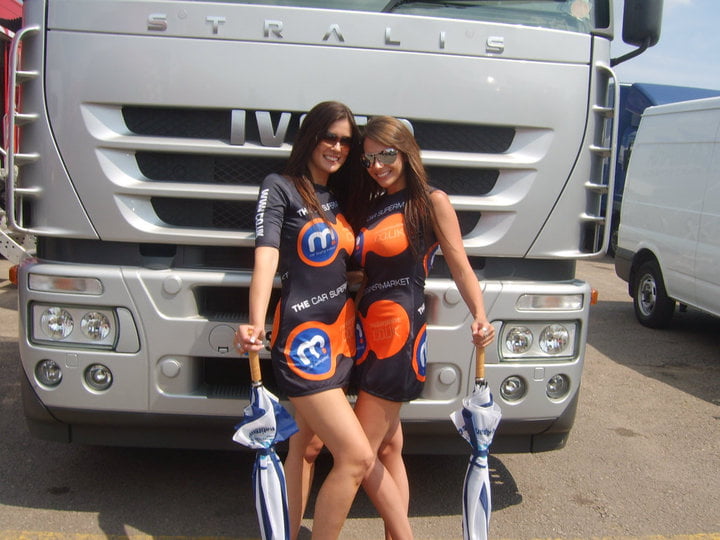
[(642, 20)]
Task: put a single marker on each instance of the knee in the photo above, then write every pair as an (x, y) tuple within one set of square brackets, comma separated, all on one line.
[(364, 462), (313, 449), (388, 450), (392, 445), (357, 462)]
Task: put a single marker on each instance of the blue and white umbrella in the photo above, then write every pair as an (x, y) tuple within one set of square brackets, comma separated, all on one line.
[(477, 421), (264, 424)]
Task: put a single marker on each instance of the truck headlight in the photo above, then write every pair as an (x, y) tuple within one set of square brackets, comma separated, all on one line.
[(56, 323), (518, 339), (95, 326), (76, 325), (554, 338), (530, 340)]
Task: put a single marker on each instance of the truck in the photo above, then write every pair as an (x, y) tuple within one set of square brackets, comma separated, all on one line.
[(634, 99), (669, 237), (137, 134)]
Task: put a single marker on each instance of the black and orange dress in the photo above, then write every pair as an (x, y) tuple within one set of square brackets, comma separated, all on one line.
[(391, 328), (313, 341)]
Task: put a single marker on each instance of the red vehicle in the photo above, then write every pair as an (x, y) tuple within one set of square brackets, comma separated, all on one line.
[(13, 247)]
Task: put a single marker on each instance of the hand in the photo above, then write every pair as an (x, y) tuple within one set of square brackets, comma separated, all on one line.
[(248, 338), (483, 333)]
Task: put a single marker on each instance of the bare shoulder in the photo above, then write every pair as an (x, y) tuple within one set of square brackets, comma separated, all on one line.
[(438, 195), (440, 200)]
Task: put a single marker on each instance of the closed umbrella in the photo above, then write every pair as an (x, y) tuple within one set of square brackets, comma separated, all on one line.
[(264, 424), (477, 421)]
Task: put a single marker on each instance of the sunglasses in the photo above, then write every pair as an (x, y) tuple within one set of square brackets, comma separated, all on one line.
[(386, 157), (331, 140)]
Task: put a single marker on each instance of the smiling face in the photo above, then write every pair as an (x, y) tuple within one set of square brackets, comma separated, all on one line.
[(390, 177), (331, 151)]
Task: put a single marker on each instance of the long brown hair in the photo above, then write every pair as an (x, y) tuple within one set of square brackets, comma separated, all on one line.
[(393, 133), (316, 123)]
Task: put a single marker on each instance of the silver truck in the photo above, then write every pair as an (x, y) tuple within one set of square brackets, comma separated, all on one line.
[(137, 134)]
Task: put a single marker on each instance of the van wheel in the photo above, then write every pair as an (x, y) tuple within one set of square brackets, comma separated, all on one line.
[(653, 307)]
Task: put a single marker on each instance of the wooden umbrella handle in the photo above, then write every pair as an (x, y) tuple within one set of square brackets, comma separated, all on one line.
[(255, 373), (479, 362)]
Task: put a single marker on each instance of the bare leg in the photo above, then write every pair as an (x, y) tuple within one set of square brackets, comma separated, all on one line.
[(380, 419), (299, 472), (330, 416), (390, 455)]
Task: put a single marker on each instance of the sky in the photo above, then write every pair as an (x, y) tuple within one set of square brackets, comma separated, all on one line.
[(688, 52)]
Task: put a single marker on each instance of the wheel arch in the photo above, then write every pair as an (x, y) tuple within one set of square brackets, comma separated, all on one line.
[(641, 257)]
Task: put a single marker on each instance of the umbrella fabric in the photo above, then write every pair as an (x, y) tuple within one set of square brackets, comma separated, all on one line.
[(265, 423), (476, 422)]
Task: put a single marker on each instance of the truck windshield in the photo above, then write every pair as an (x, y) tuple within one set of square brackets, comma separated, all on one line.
[(572, 15)]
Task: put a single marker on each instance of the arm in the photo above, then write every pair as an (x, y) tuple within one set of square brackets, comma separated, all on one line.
[(249, 336), (447, 230)]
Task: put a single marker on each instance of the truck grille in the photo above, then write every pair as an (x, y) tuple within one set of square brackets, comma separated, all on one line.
[(248, 170)]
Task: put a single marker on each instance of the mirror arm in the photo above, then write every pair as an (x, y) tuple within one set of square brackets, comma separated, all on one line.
[(632, 54)]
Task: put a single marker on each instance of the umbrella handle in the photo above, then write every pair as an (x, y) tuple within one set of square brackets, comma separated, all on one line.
[(479, 363), (255, 372)]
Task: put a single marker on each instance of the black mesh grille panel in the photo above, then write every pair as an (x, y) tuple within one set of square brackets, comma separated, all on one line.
[(205, 213), (457, 181), (167, 122), (206, 169), (463, 138)]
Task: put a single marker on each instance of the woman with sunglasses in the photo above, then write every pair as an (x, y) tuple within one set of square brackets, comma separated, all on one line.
[(399, 232), (302, 234)]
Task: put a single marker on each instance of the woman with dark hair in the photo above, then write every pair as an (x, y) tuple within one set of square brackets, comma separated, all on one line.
[(399, 232), (302, 234)]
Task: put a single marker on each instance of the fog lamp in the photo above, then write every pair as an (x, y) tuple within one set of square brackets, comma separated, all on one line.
[(56, 323), (48, 372), (518, 339), (513, 388), (95, 326), (554, 339), (558, 386), (98, 377)]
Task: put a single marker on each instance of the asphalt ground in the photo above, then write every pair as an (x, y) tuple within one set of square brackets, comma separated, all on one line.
[(642, 461)]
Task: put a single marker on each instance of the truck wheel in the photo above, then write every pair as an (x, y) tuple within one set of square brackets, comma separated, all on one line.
[(653, 307)]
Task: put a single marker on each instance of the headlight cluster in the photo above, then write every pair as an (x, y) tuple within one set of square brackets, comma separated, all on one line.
[(537, 341), (533, 340), (94, 328), (73, 324)]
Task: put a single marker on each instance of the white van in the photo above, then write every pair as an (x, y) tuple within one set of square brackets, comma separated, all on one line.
[(669, 235)]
